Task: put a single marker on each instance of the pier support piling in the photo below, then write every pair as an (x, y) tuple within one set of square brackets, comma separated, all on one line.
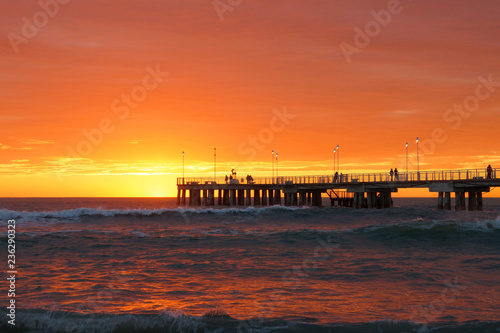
[(447, 200), (316, 198), (479, 199), (458, 201), (256, 197), (440, 200), (302, 198), (198, 197), (241, 197), (462, 200), (472, 201), (232, 197), (219, 197), (204, 200), (271, 197), (277, 197), (371, 199), (384, 200), (211, 197)]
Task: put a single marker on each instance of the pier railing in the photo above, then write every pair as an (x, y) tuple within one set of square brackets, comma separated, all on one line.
[(414, 176)]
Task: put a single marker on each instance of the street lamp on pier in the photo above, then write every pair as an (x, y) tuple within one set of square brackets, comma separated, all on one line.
[(418, 162), (334, 160), (272, 163), (338, 158), (276, 167), (407, 161)]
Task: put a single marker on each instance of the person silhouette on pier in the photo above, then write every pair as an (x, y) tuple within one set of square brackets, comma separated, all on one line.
[(336, 177), (226, 179), (396, 174), (489, 170), (392, 175)]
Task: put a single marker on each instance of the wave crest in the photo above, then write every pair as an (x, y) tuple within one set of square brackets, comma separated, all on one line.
[(72, 214)]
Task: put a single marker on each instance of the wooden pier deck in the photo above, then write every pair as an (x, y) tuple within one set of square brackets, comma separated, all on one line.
[(370, 190)]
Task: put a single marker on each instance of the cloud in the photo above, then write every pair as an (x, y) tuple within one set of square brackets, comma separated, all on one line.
[(402, 112), (37, 142), (7, 147)]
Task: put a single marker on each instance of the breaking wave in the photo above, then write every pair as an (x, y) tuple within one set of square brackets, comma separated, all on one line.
[(40, 320), (74, 214)]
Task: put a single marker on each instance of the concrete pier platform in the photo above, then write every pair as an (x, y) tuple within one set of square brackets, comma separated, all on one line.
[(354, 190)]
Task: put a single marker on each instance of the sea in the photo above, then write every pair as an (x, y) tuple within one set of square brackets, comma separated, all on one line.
[(145, 265)]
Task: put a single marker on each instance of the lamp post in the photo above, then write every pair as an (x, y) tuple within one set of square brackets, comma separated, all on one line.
[(272, 163), (215, 164), (335, 174), (418, 162), (338, 158), (334, 161), (407, 161), (276, 167), (182, 167)]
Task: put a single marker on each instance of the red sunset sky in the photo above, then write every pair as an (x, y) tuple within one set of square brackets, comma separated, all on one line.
[(430, 69)]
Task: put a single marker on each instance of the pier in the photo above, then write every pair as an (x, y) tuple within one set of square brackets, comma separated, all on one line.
[(367, 190)]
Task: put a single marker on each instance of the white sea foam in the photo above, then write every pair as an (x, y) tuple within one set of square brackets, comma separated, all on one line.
[(482, 226), (138, 233), (73, 214), (69, 322)]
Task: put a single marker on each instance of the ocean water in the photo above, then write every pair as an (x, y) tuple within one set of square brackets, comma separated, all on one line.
[(144, 265)]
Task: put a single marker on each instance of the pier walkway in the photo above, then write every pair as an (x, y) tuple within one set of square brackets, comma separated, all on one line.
[(366, 190)]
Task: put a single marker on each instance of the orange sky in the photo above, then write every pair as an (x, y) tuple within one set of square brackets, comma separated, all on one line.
[(231, 70)]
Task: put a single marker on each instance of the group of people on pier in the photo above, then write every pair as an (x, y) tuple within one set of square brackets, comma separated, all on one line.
[(394, 174), (337, 178), (249, 178)]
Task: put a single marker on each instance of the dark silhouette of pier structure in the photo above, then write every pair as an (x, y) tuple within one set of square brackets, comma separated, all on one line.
[(370, 190)]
